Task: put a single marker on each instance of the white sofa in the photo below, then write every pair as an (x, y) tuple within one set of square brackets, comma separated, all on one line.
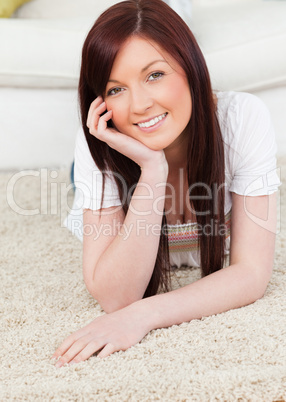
[(244, 42)]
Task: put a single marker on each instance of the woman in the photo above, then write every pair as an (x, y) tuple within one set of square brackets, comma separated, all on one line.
[(162, 162)]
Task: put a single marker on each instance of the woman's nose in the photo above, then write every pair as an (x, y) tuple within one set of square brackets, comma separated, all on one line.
[(140, 101)]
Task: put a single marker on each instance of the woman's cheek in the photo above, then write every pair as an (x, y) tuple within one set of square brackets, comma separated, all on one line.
[(119, 116)]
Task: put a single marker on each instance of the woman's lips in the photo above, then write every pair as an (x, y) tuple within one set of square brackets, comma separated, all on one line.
[(153, 123)]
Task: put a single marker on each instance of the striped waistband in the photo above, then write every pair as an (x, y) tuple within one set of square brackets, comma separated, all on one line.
[(185, 237)]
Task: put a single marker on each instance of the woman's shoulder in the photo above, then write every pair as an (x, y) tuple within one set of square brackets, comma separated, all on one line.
[(239, 113), (231, 104), (249, 139)]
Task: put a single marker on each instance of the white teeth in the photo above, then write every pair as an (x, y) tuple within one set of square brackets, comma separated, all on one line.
[(152, 122)]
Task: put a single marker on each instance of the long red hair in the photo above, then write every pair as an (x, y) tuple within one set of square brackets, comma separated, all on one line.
[(155, 20)]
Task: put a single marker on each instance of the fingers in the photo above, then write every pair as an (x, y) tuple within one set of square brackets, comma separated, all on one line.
[(95, 117), (94, 105), (69, 341), (64, 346), (90, 349), (75, 350), (107, 350), (96, 123), (102, 124), (81, 350)]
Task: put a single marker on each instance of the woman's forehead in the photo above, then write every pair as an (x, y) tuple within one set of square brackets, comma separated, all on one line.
[(138, 51)]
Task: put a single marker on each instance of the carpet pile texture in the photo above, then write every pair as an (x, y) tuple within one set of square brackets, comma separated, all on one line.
[(239, 355)]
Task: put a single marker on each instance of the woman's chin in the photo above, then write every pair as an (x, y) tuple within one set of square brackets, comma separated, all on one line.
[(154, 146)]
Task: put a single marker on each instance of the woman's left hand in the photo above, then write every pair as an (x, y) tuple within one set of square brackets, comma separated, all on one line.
[(110, 332)]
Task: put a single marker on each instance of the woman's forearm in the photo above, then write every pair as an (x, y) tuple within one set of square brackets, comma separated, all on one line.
[(229, 288), (124, 270), (232, 287)]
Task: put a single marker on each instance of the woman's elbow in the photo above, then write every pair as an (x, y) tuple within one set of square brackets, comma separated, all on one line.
[(108, 301), (110, 304), (261, 279)]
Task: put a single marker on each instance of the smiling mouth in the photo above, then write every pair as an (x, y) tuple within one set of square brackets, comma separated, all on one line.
[(152, 122)]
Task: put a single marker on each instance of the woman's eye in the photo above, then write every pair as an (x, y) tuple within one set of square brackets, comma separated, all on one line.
[(114, 91), (155, 76)]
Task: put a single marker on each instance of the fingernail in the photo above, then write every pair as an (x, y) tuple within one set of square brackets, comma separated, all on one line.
[(59, 364), (71, 363)]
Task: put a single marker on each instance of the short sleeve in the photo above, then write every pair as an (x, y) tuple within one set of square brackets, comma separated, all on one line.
[(88, 180), (253, 167)]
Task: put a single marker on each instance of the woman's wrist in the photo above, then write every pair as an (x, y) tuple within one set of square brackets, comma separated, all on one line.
[(158, 165), (155, 171), (158, 311), (141, 310)]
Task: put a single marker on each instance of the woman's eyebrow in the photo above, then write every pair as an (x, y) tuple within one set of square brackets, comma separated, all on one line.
[(144, 68), (152, 62)]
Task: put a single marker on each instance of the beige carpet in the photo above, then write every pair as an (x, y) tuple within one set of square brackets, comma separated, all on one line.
[(236, 356)]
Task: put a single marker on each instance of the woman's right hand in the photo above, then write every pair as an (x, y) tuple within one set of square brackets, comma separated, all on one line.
[(145, 157)]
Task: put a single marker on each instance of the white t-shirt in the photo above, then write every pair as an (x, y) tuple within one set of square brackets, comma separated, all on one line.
[(250, 164)]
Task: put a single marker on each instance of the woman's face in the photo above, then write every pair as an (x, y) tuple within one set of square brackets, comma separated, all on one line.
[(149, 94)]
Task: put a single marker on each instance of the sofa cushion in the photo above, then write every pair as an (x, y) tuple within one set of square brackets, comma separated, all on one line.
[(41, 53), (8, 7), (46, 52), (243, 41), (83, 8)]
